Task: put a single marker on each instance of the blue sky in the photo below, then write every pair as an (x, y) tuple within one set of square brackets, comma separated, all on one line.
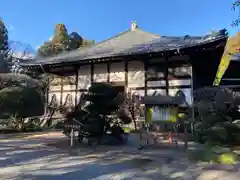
[(33, 21)]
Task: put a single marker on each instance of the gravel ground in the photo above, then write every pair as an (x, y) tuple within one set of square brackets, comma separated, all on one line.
[(35, 157)]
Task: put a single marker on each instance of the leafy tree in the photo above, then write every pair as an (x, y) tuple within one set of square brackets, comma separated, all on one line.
[(76, 41), (62, 41), (4, 46), (18, 103), (216, 110), (20, 96), (59, 43), (18, 80), (3, 64), (46, 49)]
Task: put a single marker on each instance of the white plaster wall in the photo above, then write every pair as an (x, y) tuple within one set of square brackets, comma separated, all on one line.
[(65, 94), (84, 77), (150, 92), (78, 96), (136, 74), (181, 71), (179, 82), (151, 72), (138, 92), (186, 91), (54, 88), (117, 72), (58, 97), (69, 87), (69, 82), (100, 73), (161, 83)]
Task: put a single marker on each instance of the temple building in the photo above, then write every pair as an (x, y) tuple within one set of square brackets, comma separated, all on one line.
[(136, 61)]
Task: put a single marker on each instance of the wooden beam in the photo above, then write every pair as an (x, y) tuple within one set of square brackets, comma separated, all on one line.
[(230, 86), (231, 79)]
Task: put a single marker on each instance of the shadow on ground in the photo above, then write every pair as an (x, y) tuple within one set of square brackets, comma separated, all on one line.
[(46, 157)]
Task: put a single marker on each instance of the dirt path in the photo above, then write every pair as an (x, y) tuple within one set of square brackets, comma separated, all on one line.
[(47, 156)]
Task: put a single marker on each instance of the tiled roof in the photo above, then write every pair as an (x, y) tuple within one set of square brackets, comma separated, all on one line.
[(128, 43)]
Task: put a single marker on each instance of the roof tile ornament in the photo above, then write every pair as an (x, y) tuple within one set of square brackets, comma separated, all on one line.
[(134, 25)]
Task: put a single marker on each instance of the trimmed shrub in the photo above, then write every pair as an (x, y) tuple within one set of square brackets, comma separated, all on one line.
[(20, 102)]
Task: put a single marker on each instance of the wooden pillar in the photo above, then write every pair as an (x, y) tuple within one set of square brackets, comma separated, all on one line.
[(61, 95), (108, 72), (92, 72), (47, 96), (166, 74), (126, 72), (145, 77), (76, 83)]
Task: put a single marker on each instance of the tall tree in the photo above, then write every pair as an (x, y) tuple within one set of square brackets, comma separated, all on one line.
[(76, 41), (62, 41), (46, 49), (59, 43), (3, 64), (4, 47)]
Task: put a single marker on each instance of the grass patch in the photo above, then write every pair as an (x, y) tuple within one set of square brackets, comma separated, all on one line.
[(214, 155)]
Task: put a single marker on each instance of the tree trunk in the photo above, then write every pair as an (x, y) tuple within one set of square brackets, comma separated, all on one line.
[(20, 124), (47, 119), (135, 124)]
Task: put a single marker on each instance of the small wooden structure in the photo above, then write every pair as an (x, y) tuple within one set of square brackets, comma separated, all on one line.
[(160, 112)]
